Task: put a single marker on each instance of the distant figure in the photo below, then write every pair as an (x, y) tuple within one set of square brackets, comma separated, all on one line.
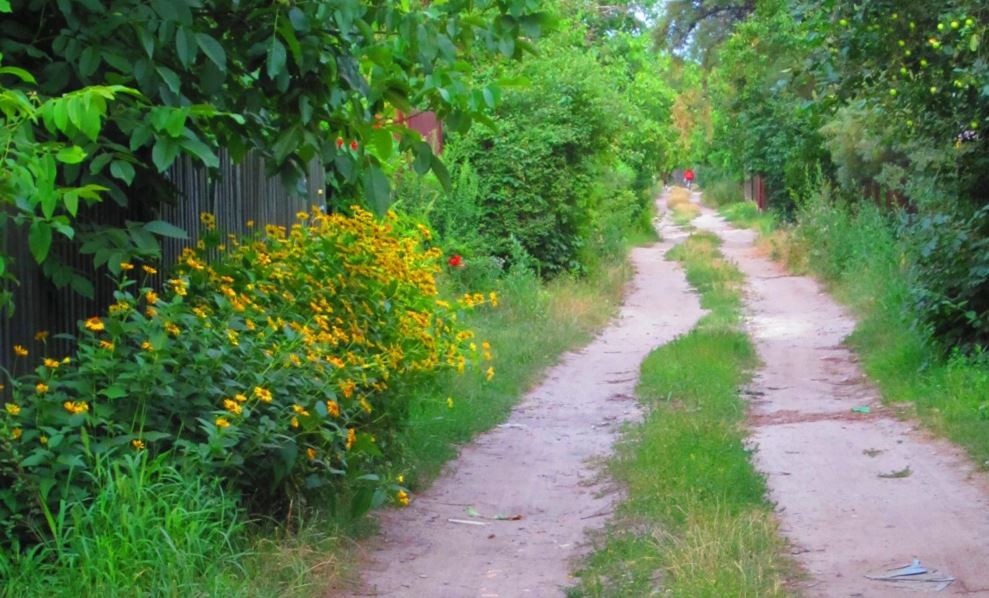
[(688, 177)]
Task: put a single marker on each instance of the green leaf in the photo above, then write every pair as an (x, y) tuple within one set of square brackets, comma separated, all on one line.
[(170, 78), (83, 286), (423, 157), (185, 46), (20, 73), (973, 44), (89, 61), (213, 50), (5, 6), (164, 229), (123, 171), (115, 391), (164, 153), (71, 201), (39, 240), (276, 58), (201, 151), (377, 189), (442, 174), (71, 155)]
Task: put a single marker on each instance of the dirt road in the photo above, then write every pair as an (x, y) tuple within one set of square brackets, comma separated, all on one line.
[(857, 493), (539, 465)]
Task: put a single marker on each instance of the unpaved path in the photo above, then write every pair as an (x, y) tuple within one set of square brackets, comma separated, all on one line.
[(537, 465), (824, 462)]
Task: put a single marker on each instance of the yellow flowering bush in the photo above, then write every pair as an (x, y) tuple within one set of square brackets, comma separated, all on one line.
[(277, 361)]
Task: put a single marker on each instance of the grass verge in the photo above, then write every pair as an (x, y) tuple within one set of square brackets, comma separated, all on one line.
[(695, 521), (861, 257)]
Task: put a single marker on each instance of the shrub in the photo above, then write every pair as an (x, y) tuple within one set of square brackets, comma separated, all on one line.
[(537, 171), (721, 189), (276, 363)]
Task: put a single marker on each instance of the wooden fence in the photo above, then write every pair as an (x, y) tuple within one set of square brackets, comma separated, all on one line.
[(240, 192)]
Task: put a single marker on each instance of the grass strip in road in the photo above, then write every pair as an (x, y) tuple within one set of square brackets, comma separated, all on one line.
[(683, 210), (695, 521)]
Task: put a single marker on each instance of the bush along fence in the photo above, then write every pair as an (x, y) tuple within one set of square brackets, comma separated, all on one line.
[(235, 193), (281, 365)]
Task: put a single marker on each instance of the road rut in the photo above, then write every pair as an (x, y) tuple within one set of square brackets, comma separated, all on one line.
[(837, 475)]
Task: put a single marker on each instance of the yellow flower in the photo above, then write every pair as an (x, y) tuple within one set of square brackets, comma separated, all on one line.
[(119, 308), (262, 394), (208, 220), (43, 439), (302, 215), (250, 224), (172, 329), (106, 345), (494, 298), (41, 336), (51, 364), (311, 453), (351, 438), (137, 444), (149, 270), (76, 407), (489, 374), (299, 410), (147, 346), (222, 422), (15, 434), (20, 351), (151, 313), (233, 337), (12, 409), (95, 324), (179, 286), (232, 406), (126, 266), (295, 422), (333, 408), (66, 360), (240, 398), (41, 388), (449, 402), (151, 297), (403, 498)]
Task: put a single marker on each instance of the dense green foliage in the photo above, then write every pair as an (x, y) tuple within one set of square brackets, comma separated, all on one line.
[(571, 166), (884, 101), (297, 82)]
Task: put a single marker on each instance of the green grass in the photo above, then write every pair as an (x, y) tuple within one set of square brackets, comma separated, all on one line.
[(748, 215), (150, 531), (695, 521)]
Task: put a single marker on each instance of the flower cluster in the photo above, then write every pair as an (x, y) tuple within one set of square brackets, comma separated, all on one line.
[(278, 360)]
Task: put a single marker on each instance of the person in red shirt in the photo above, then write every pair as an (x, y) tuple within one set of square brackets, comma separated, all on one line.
[(688, 176)]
